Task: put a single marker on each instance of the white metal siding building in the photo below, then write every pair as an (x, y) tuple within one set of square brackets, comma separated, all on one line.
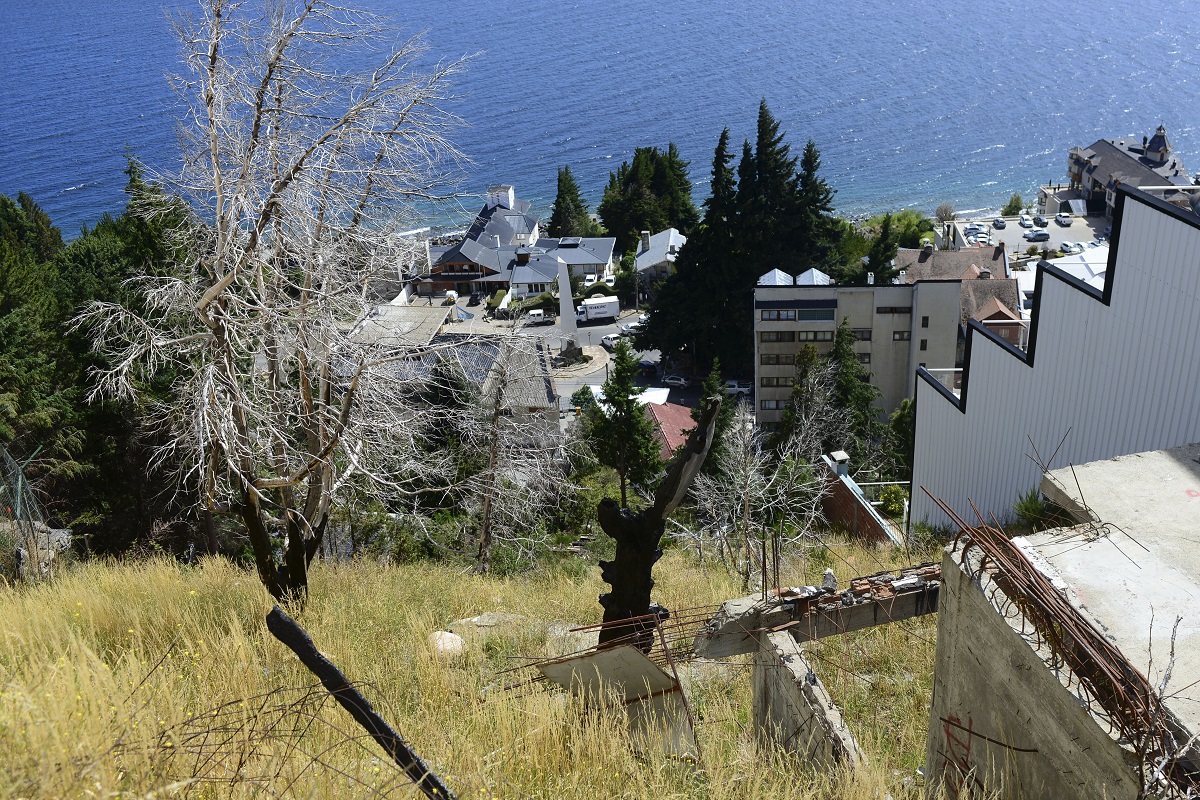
[(1106, 373)]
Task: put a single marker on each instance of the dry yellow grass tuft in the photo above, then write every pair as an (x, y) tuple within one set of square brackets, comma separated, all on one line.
[(151, 679)]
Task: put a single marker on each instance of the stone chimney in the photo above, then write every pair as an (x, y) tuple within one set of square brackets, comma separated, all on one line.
[(645, 241)]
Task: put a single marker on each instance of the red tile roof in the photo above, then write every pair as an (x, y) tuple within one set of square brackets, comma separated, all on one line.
[(672, 424)]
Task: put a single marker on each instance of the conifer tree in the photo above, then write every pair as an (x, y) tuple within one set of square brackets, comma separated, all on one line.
[(714, 387), (570, 214), (853, 392), (817, 229), (883, 252), (618, 430), (652, 192)]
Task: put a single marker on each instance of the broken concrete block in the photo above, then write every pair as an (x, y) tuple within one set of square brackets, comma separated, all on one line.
[(793, 710)]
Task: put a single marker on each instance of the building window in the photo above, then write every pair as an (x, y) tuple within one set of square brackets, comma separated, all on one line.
[(893, 310), (771, 405), (785, 315), (924, 322), (924, 344), (815, 315), (773, 382), (772, 359), (862, 334), (814, 336), (901, 336), (777, 336), (863, 358)]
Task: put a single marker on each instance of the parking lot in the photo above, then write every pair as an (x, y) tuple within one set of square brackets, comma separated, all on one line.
[(1081, 230)]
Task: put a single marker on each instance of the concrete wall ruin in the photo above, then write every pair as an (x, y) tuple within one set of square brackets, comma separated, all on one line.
[(793, 710), (1000, 717)]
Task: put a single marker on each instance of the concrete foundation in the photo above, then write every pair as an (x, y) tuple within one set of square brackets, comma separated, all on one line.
[(1001, 718), (793, 710)]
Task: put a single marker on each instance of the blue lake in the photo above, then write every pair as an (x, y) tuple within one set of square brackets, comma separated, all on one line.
[(911, 105)]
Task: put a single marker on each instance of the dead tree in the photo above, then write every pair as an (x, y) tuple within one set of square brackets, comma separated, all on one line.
[(638, 533), (298, 181)]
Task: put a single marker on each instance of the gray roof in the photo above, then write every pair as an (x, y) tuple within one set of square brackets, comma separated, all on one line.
[(1123, 160), (577, 250), (660, 250), (400, 326), (949, 265), (540, 269), (976, 294), (523, 363)]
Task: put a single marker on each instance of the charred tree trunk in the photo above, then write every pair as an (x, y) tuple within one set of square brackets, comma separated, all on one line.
[(638, 534)]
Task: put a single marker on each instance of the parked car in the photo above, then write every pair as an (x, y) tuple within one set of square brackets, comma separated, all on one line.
[(642, 318), (1070, 248), (739, 389), (588, 280), (609, 340), (1025, 221), (998, 223), (676, 382), (1064, 218), (1040, 221), (475, 299), (1037, 235), (648, 368)]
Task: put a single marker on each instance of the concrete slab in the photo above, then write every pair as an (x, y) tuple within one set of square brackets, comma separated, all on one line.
[(1133, 566), (657, 714)]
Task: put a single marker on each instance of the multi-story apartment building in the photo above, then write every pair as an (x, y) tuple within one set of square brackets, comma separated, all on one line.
[(898, 327)]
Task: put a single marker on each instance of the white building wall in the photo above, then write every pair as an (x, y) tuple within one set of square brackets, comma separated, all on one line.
[(1112, 379)]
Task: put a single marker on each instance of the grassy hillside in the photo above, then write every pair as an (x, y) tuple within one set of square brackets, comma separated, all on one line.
[(151, 679)]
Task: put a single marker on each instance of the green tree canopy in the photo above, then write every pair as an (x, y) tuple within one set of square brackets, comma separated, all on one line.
[(774, 214), (618, 429), (650, 193), (570, 215)]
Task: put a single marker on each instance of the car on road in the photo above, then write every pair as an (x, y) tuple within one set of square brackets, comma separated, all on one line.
[(475, 299), (1070, 248), (631, 329), (1025, 221), (609, 340), (739, 389), (1040, 221), (648, 368), (998, 223), (642, 318), (1037, 235), (1064, 218), (676, 382)]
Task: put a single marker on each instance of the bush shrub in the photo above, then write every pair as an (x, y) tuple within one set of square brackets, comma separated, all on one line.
[(891, 500)]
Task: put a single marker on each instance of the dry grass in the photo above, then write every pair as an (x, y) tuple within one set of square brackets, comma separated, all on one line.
[(150, 679)]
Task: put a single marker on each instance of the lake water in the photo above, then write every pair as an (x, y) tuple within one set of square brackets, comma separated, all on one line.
[(911, 105)]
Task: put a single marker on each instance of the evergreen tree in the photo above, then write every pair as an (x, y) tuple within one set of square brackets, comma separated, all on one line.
[(713, 386), (854, 393), (902, 432), (817, 229), (650, 193), (883, 252), (570, 214), (618, 429)]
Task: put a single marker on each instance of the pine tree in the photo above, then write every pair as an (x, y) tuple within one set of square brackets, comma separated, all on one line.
[(854, 393), (714, 387), (883, 253), (650, 193), (618, 429), (570, 213), (817, 230)]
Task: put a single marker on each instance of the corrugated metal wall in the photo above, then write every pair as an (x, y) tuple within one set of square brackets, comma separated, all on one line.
[(1121, 378)]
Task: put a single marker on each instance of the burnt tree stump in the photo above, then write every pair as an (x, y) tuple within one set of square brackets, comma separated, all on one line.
[(638, 533)]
